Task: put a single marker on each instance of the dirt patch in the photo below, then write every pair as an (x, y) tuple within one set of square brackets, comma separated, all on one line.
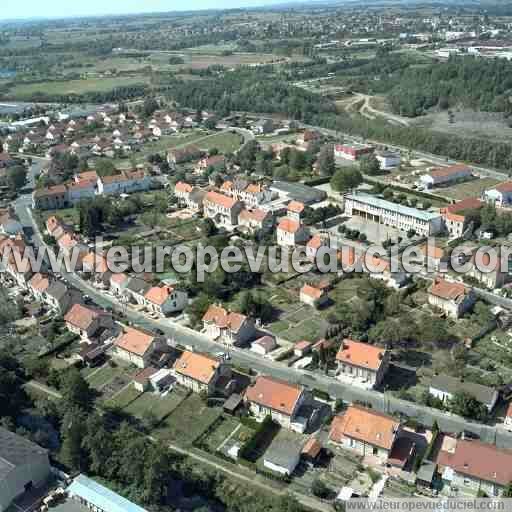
[(467, 123)]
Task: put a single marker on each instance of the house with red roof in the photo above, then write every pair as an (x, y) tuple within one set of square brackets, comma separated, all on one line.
[(444, 175), (362, 363), (291, 233), (228, 327), (473, 466), (255, 219), (200, 372), (365, 431), (165, 299), (255, 194), (454, 299), (313, 296), (454, 215), (221, 209), (135, 346), (314, 244), (87, 322), (500, 195), (295, 210), (278, 399)]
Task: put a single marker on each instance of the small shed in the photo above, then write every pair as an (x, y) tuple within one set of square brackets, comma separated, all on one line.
[(232, 404), (426, 474)]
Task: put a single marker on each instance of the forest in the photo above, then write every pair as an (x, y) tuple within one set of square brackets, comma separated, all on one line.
[(469, 82)]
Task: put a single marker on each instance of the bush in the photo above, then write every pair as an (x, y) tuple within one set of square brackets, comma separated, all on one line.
[(249, 449)]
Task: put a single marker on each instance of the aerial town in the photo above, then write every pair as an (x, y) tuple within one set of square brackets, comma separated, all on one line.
[(373, 135)]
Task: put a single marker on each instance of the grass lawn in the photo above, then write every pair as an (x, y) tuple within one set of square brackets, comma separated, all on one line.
[(124, 398), (472, 188), (103, 375), (24, 91), (158, 405), (187, 421), (221, 432), (225, 142)]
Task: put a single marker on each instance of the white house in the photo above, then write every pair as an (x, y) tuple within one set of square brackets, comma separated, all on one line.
[(453, 298), (166, 299), (290, 233), (500, 195), (135, 346), (387, 160), (221, 209), (228, 327), (444, 175)]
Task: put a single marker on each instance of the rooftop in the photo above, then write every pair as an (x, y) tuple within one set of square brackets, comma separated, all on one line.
[(360, 354), (393, 207), (274, 394), (199, 367)]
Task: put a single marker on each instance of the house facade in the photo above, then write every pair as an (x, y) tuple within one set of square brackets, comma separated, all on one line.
[(454, 299)]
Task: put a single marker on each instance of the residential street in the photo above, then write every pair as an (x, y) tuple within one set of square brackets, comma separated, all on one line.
[(381, 401)]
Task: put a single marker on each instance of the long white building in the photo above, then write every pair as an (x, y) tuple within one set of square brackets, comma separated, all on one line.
[(392, 214)]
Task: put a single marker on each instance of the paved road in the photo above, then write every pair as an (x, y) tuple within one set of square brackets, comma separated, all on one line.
[(384, 402)]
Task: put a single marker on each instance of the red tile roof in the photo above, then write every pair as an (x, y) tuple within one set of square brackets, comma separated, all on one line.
[(479, 460), (223, 319), (199, 367), (274, 394), (81, 316), (159, 294), (311, 291), (135, 341), (183, 187), (289, 225), (295, 207), (447, 290), (365, 425), (220, 199), (360, 354)]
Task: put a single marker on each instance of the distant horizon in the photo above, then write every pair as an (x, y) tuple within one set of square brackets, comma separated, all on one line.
[(57, 9)]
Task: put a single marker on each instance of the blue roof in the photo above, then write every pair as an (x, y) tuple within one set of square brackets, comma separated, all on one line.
[(100, 496)]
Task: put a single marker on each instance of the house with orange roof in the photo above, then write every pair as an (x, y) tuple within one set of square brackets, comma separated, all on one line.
[(313, 295), (362, 363), (444, 175), (454, 215), (165, 299), (314, 244), (182, 191), (135, 346), (255, 194), (255, 219), (295, 210), (228, 327), (365, 431), (200, 372), (38, 285), (499, 195), (454, 299), (87, 322), (433, 256), (94, 263), (221, 209), (118, 283), (291, 233), (473, 466), (278, 399), (125, 182)]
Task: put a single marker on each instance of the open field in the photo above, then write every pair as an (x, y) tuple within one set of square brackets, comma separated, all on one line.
[(482, 125), (469, 189), (190, 419), (25, 91), (103, 376)]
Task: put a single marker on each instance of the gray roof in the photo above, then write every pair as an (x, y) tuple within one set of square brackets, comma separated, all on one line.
[(15, 451), (299, 192), (426, 472), (453, 385), (137, 285), (283, 452), (57, 290)]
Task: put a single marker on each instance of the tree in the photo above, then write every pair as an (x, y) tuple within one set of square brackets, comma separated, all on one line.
[(507, 493), (326, 163), (210, 123), (319, 489), (346, 179), (149, 107), (16, 177), (76, 391), (468, 406), (370, 165)]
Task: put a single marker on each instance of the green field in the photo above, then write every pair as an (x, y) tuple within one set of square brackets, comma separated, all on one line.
[(155, 404), (24, 91), (103, 376), (225, 142), (187, 421)]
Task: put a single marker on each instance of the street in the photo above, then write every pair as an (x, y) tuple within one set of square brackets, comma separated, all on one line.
[(384, 402)]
